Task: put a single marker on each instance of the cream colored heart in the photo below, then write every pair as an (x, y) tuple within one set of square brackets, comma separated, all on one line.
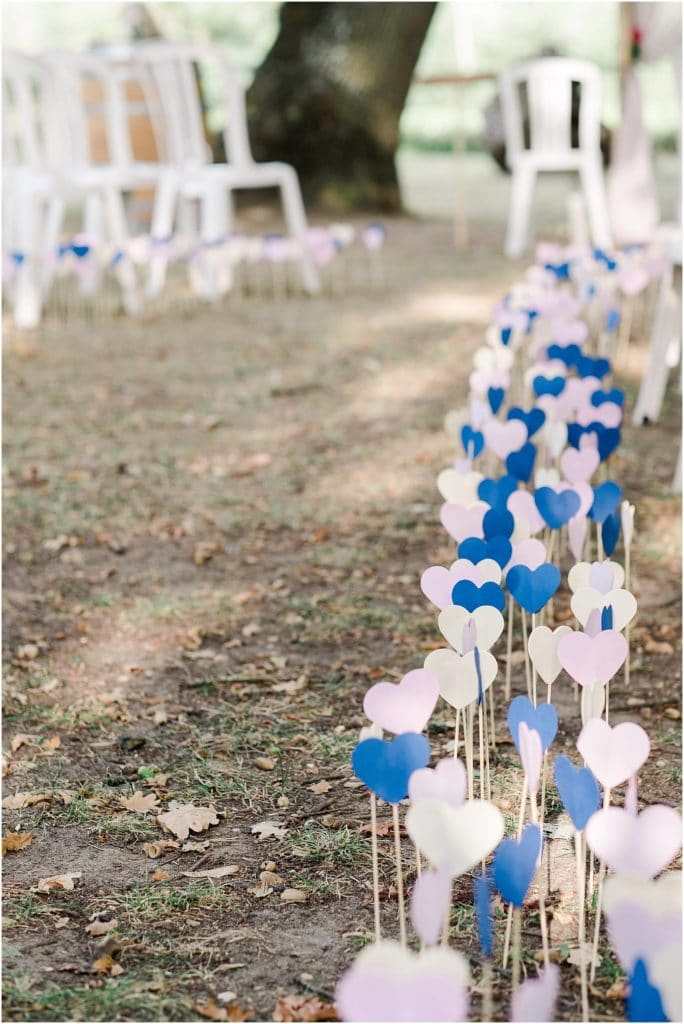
[(457, 675), (665, 972), (585, 599), (489, 570), (555, 434), (580, 575), (543, 648), (489, 624), (493, 359), (546, 477), (662, 896), (593, 700), (459, 488), (521, 530), (458, 838)]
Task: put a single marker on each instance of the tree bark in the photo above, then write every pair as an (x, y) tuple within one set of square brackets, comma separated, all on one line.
[(329, 95)]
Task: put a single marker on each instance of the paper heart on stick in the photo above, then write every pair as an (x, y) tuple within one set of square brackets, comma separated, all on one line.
[(555, 436), (385, 767), (592, 659), (610, 531), (472, 440), (498, 522), (543, 719), (521, 463), (446, 781), (429, 902), (579, 467), (532, 588), (535, 999), (504, 438), (493, 359), (613, 753), (637, 933), (467, 595), (577, 532), (584, 574), (437, 582), (530, 744), (661, 896), (489, 624), (388, 983), (515, 863), (592, 701), (542, 646), (461, 522), (458, 677), (556, 507), (642, 844), (607, 497), (666, 974), (499, 549), (585, 599), (486, 571), (459, 488), (584, 492), (529, 552), (578, 789), (455, 838), (522, 505), (497, 491), (532, 418), (405, 706), (643, 998)]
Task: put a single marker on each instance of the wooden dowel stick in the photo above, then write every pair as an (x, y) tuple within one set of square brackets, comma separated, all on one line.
[(534, 671), (481, 739), (400, 877), (516, 949), (374, 858), (528, 678), (456, 733), (469, 750), (509, 921), (580, 862), (487, 990), (599, 904), (509, 650)]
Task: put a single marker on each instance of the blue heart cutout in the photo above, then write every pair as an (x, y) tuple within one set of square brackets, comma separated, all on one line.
[(497, 522), (556, 507), (561, 271), (611, 320), (543, 719), (506, 335), (468, 595), (601, 256), (472, 438), (385, 766), (533, 419), (568, 354), (610, 531), (476, 550), (548, 386), (532, 588), (482, 895), (643, 1001), (497, 492), (80, 251), (606, 617), (608, 438), (588, 367), (616, 396), (606, 498), (578, 789), (515, 863), (495, 397), (521, 463)]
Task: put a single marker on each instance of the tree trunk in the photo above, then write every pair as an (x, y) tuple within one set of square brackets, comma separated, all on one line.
[(329, 95)]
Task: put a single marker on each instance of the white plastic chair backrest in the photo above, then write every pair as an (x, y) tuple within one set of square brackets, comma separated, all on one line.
[(549, 82), (23, 122), (172, 68), (69, 108)]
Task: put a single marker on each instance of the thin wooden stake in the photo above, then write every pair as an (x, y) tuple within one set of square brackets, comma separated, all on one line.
[(516, 949), (534, 670), (581, 865), (487, 990), (528, 678), (509, 649), (400, 877), (374, 858), (599, 905), (469, 749)]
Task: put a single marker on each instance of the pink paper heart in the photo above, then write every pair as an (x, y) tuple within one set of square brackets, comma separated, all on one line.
[(570, 332), (577, 532), (480, 381), (609, 414), (643, 845), (535, 999), (592, 627), (613, 753), (405, 706), (530, 552), (637, 934), (437, 584), (592, 659), (531, 754), (579, 466), (522, 505), (429, 901), (632, 279), (446, 781), (601, 576), (504, 438), (461, 522)]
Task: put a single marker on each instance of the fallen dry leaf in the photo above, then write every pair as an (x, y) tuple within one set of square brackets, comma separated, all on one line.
[(106, 965), (303, 1008), (229, 869), (212, 1011), (293, 896), (28, 652), (181, 819), (160, 875), (18, 800), (294, 686), (96, 928), (268, 830), (320, 787), (195, 847), (20, 740), (139, 803), (65, 882), (204, 552), (15, 841), (154, 850), (61, 922), (269, 877), (261, 890), (51, 744)]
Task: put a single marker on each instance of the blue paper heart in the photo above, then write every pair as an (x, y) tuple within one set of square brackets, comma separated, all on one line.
[(17, 257), (468, 595), (515, 863), (568, 354), (606, 498), (472, 439), (385, 766), (521, 463), (608, 439), (543, 719), (482, 894), (578, 789), (533, 419), (611, 320), (497, 492), (495, 397), (575, 432), (643, 1001), (497, 522), (506, 335), (606, 617), (80, 251), (601, 256), (588, 367), (532, 588), (561, 271), (548, 386), (610, 531), (532, 315), (475, 550), (616, 396), (556, 507)]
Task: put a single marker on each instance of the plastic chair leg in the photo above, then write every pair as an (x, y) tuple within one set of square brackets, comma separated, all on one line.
[(28, 298), (593, 186), (214, 229), (295, 218), (522, 190), (161, 229), (115, 218)]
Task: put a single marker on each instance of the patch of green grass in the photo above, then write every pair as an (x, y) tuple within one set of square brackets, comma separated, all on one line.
[(125, 998), (31, 905), (340, 847), (608, 967), (157, 902)]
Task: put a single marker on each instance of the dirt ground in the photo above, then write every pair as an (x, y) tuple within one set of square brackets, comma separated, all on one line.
[(215, 524)]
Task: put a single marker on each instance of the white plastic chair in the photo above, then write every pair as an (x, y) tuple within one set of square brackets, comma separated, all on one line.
[(549, 83), (168, 72)]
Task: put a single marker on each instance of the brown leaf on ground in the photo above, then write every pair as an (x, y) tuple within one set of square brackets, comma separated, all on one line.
[(65, 882), (212, 1011), (139, 803), (204, 552), (251, 464), (20, 740), (181, 819), (51, 744), (268, 830), (267, 764), (160, 875), (382, 829), (96, 928), (303, 1008), (15, 841), (154, 850), (16, 801), (106, 965), (294, 686), (320, 787), (293, 896), (229, 869)]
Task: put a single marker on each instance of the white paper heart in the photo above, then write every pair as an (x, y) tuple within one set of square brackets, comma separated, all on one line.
[(457, 838), (448, 781), (493, 359), (580, 575), (662, 896), (623, 603), (546, 477), (521, 530), (454, 420), (592, 701), (530, 744), (642, 844), (459, 488), (458, 676), (556, 436), (613, 753), (488, 570), (666, 974), (543, 649), (489, 625)]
